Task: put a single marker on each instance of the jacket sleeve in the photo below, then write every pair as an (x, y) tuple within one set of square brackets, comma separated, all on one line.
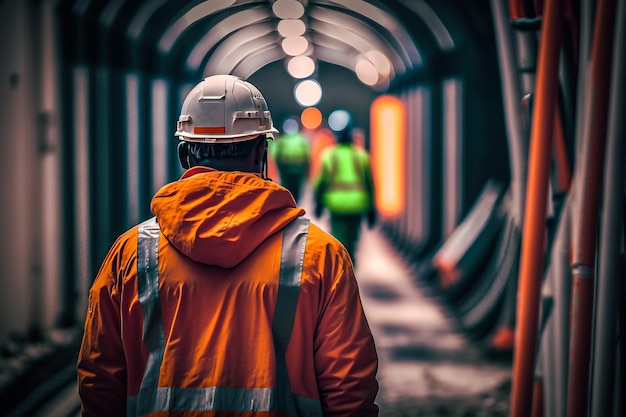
[(101, 362), (346, 360)]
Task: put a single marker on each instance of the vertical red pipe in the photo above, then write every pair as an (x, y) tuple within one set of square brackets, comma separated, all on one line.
[(516, 9), (564, 177), (538, 398), (584, 248), (533, 233)]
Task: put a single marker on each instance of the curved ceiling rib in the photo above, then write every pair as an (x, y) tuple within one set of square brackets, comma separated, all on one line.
[(256, 60), (140, 19), (433, 23), (237, 46), (339, 31), (338, 26), (356, 27), (368, 13), (194, 14), (227, 27)]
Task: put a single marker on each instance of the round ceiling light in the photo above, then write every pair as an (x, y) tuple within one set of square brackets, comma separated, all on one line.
[(308, 93), (301, 66), (288, 9)]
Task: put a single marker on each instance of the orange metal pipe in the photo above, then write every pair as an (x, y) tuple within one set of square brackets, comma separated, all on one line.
[(538, 398), (584, 243), (534, 229), (564, 177), (516, 9)]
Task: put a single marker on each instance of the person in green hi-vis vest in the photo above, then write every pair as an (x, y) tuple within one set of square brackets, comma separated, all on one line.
[(345, 187), (292, 155)]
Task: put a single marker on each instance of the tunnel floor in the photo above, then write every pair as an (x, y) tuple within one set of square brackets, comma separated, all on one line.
[(426, 367)]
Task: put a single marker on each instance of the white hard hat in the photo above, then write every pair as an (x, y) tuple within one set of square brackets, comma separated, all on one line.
[(224, 109)]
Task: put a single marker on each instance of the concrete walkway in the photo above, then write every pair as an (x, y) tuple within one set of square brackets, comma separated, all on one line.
[(426, 368), (421, 355)]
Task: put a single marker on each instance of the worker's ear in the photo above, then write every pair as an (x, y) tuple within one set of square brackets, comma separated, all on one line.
[(183, 154)]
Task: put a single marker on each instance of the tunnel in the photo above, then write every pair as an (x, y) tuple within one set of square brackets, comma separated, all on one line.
[(496, 146)]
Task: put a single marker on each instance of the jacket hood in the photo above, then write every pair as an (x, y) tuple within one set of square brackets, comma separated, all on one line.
[(219, 218)]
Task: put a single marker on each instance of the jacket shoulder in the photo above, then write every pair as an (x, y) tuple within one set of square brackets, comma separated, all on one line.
[(121, 255), (325, 247)]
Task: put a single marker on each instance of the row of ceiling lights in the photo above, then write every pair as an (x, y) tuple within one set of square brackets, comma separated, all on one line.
[(373, 68), (300, 66)]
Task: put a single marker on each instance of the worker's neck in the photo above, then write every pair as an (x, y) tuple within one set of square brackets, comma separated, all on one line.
[(233, 165)]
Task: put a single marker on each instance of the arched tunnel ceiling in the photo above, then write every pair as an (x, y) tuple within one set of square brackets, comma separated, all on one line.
[(185, 40), (241, 36), (336, 35)]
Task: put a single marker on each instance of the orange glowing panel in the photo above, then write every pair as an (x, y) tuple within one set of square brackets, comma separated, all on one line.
[(311, 118), (388, 138)]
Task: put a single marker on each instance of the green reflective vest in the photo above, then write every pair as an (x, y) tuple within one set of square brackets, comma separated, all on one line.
[(344, 184)]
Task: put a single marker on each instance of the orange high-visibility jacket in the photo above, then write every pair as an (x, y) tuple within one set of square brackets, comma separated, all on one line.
[(230, 303)]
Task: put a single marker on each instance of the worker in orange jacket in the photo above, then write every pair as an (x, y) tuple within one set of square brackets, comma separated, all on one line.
[(229, 302)]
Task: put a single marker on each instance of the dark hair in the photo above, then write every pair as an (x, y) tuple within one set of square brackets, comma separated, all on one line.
[(207, 151), (345, 135)]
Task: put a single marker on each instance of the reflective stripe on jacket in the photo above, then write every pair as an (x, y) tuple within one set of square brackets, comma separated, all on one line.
[(153, 398), (203, 329)]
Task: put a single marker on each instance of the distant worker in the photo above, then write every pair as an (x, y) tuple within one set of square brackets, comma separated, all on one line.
[(358, 137), (345, 187), (292, 155), (229, 301)]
